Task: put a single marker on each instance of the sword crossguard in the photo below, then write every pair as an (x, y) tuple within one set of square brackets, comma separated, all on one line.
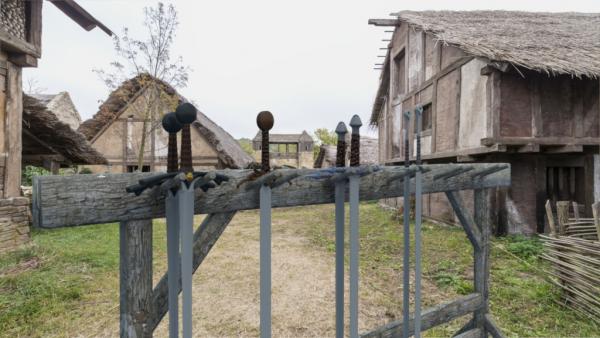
[(340, 158), (355, 123)]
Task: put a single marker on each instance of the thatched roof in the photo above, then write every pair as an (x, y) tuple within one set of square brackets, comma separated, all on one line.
[(46, 134), (229, 152), (369, 152), (553, 43), (62, 106)]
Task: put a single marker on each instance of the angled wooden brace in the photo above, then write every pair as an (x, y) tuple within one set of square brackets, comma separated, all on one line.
[(465, 218)]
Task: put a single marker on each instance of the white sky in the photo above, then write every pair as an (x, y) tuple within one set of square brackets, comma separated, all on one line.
[(309, 62)]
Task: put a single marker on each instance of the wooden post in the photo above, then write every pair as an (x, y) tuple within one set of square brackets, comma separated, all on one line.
[(596, 214), (550, 217), (136, 278), (481, 267), (576, 211), (562, 213)]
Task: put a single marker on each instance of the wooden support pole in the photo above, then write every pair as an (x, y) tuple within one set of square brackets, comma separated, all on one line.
[(136, 278), (481, 255), (562, 213), (431, 317), (550, 216), (466, 220), (596, 214)]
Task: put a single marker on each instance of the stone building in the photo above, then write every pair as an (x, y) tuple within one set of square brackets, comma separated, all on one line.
[(497, 86), (21, 46), (295, 150), (116, 131)]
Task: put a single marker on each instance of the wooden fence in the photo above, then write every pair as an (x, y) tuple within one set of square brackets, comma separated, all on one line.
[(573, 250), (91, 199)]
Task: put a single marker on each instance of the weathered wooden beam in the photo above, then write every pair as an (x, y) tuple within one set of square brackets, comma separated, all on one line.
[(465, 218), (135, 278), (204, 238), (481, 256), (473, 333), (492, 328), (562, 214), (384, 22), (23, 60), (60, 201), (550, 217), (567, 148), (431, 317), (14, 44), (544, 141)]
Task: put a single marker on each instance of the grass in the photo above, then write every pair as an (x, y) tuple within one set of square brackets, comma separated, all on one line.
[(68, 278), (522, 301)]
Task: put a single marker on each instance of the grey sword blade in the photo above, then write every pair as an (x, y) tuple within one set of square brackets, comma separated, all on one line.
[(185, 198), (265, 261), (340, 189), (354, 196), (418, 214), (406, 255), (173, 260)]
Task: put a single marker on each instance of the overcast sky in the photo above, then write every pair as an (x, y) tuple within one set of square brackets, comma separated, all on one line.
[(309, 62)]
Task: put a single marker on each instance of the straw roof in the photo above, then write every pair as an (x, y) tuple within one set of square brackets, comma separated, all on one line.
[(553, 43), (285, 138), (51, 136), (229, 152)]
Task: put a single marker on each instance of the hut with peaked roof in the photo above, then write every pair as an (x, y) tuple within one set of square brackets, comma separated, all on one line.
[(497, 86), (294, 150), (369, 153), (116, 131)]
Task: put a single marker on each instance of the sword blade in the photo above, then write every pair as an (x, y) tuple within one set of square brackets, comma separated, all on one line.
[(173, 260), (418, 213), (406, 257), (185, 198), (265, 262), (340, 188), (354, 247)]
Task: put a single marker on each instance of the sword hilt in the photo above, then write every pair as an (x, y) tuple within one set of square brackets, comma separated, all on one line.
[(340, 159), (355, 123), (172, 126), (186, 114), (419, 119), (406, 150), (265, 122)]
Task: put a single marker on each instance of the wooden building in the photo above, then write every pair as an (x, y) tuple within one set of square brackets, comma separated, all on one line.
[(295, 150), (497, 86), (21, 46), (116, 131)]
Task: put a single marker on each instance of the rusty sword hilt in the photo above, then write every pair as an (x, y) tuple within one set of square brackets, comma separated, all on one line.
[(419, 121), (172, 126), (355, 123), (340, 159), (406, 149), (265, 122), (186, 114)]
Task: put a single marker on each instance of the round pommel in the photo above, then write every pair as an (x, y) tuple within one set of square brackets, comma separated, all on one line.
[(341, 129), (355, 123), (186, 113), (170, 123), (265, 120)]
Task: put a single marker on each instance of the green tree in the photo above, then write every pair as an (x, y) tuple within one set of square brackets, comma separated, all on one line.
[(323, 136), (246, 145)]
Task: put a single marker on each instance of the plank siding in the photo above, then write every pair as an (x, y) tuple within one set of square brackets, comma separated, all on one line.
[(557, 105), (447, 114), (515, 111)]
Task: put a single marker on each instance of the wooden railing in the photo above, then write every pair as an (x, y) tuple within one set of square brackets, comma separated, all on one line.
[(60, 201)]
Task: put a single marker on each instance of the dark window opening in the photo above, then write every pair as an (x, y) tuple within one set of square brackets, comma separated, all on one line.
[(134, 168), (426, 118), (400, 74)]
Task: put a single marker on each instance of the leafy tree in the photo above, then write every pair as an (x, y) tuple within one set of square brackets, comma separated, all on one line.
[(323, 136), (151, 56)]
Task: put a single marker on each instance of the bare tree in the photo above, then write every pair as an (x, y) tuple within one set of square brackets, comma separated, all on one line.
[(33, 86), (149, 56)]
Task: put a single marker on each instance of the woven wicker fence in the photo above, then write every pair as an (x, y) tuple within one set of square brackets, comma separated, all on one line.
[(573, 250)]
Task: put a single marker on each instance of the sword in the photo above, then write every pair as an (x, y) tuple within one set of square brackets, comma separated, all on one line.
[(186, 114), (340, 189), (354, 180), (265, 121), (418, 213), (172, 126), (406, 220)]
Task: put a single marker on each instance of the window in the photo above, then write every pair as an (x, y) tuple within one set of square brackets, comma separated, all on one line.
[(273, 147), (426, 118), (282, 148), (400, 73), (292, 148), (134, 168)]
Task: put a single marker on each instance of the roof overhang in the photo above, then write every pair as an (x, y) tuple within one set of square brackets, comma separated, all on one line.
[(80, 15)]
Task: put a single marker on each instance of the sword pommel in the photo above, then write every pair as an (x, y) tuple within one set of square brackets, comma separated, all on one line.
[(265, 122)]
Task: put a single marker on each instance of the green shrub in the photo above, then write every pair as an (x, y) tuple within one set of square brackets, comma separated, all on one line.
[(524, 247), (29, 172)]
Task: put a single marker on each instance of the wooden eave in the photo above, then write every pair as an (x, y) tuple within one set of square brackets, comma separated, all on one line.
[(82, 17)]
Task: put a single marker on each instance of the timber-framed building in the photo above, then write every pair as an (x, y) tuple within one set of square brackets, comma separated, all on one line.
[(497, 86)]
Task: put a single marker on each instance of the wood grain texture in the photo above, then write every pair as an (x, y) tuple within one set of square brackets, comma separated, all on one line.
[(431, 317), (135, 278), (481, 261), (92, 199), (205, 237), (13, 135), (465, 218)]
